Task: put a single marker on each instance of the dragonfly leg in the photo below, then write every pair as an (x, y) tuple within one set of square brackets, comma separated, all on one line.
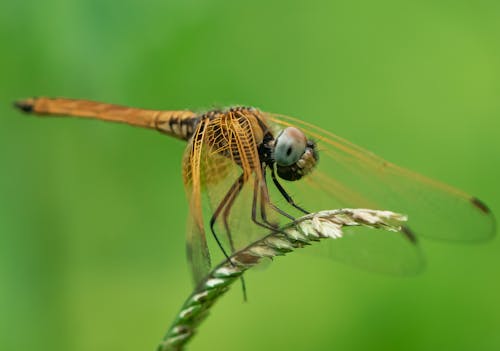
[(226, 205), (225, 217), (265, 223), (227, 200), (266, 199), (231, 197), (283, 192)]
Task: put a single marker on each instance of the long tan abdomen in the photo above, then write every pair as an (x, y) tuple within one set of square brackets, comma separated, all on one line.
[(179, 124)]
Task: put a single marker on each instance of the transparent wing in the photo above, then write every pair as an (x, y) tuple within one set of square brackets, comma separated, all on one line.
[(197, 250), (391, 253), (349, 176), (196, 242), (222, 175)]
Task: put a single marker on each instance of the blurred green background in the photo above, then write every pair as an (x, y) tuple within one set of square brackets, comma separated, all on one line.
[(92, 214)]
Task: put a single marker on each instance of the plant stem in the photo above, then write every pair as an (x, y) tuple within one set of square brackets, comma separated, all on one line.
[(303, 231)]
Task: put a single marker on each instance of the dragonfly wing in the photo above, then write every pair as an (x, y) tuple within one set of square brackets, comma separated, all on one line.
[(221, 170), (375, 251), (196, 242), (351, 176), (197, 250), (379, 251), (233, 154)]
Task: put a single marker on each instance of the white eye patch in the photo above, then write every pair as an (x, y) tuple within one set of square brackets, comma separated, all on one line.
[(289, 146)]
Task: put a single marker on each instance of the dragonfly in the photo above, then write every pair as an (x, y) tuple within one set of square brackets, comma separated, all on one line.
[(247, 172)]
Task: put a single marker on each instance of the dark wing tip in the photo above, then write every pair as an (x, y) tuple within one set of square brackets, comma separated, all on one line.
[(409, 234), (480, 205), (25, 105)]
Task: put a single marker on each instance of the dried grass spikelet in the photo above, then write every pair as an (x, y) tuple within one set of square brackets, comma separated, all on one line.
[(304, 231)]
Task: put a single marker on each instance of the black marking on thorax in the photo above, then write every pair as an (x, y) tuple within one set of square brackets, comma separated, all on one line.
[(187, 126)]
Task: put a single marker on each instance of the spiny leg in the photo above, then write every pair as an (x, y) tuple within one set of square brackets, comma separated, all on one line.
[(266, 199), (283, 192), (225, 207), (225, 217), (254, 207), (265, 223), (227, 199)]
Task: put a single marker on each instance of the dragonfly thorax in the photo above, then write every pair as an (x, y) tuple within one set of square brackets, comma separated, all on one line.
[(232, 132)]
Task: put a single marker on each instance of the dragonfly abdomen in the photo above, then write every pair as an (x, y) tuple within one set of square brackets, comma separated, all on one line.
[(179, 124)]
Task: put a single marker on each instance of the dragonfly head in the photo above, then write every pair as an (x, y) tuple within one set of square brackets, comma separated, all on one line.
[(294, 154)]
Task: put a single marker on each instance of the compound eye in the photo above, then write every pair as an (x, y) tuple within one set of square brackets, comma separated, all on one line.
[(289, 146)]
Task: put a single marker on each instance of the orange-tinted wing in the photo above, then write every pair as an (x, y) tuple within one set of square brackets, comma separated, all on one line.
[(349, 176), (222, 149), (197, 249)]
